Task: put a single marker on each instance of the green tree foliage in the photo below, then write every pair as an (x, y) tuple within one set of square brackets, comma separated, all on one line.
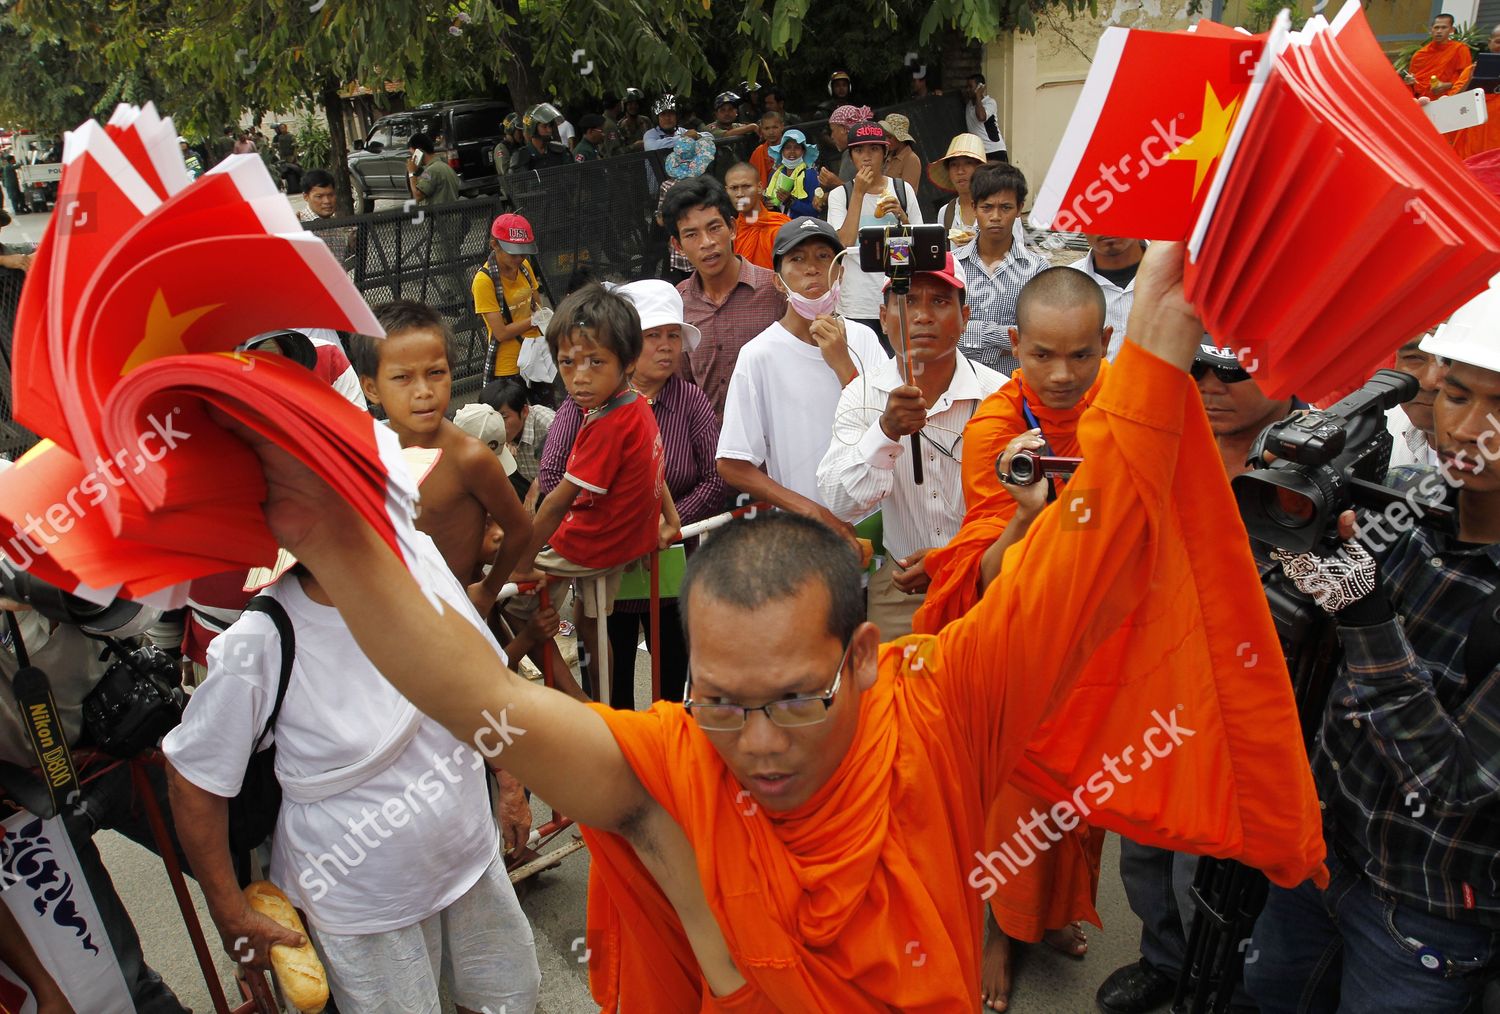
[(202, 61)]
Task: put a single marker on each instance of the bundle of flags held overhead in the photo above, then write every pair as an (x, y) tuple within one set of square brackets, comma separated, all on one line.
[(1327, 221), (143, 286)]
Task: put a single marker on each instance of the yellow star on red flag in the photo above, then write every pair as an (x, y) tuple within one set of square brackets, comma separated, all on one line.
[(1207, 145), (163, 332)]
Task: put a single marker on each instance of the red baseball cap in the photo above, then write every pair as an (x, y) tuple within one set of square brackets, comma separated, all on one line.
[(952, 273), (514, 234)]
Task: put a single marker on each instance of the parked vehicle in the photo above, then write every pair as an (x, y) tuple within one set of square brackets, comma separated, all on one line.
[(38, 170), (465, 131)]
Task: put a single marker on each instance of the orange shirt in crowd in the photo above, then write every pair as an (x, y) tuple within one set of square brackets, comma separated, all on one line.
[(755, 239)]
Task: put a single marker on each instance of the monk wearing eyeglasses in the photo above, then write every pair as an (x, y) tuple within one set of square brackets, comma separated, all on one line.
[(800, 836)]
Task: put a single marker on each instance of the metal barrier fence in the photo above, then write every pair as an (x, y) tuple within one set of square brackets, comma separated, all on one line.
[(14, 438), (598, 215)]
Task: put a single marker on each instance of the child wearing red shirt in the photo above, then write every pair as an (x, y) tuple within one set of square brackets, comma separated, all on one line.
[(612, 506)]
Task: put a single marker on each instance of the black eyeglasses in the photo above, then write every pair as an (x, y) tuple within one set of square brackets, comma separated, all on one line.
[(788, 713), (1226, 374)]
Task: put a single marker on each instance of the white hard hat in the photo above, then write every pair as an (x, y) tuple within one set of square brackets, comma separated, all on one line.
[(1472, 334)]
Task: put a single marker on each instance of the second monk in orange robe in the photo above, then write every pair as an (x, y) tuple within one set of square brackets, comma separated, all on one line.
[(1061, 341)]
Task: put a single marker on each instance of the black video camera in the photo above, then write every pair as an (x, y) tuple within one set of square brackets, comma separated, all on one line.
[(1327, 461), (899, 251)]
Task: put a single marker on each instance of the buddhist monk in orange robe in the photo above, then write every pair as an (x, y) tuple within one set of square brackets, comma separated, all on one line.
[(803, 837), (755, 229), (1473, 141), (1442, 66), (1042, 893)]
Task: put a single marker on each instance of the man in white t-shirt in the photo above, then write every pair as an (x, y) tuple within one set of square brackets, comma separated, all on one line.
[(881, 201), (384, 839), (980, 114), (786, 383)]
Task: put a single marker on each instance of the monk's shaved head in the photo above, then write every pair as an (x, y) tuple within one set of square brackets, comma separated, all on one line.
[(755, 561), (1059, 288)]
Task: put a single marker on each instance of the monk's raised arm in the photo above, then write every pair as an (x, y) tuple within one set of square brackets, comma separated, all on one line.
[(556, 746), (1090, 558)]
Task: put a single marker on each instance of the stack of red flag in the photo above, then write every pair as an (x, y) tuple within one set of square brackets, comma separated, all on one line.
[(142, 287), (1327, 220)]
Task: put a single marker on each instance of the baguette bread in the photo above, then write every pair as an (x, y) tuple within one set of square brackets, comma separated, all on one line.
[(866, 552), (298, 970)]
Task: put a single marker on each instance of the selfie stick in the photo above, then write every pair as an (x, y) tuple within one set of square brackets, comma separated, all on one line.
[(900, 274)]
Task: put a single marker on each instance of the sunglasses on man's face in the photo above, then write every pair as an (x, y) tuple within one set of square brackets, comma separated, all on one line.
[(1226, 374)]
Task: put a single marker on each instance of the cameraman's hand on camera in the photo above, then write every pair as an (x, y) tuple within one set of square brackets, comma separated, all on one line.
[(1030, 499), (1337, 581), (905, 412), (829, 332), (1162, 321), (249, 936)]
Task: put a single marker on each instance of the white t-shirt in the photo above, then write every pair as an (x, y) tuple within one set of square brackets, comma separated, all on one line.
[(861, 289), (395, 849), (781, 402), (972, 124)]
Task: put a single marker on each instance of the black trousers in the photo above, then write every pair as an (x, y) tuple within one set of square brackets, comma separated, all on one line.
[(625, 633)]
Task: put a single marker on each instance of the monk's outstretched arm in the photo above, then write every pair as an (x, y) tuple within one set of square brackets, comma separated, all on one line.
[(556, 746), (1087, 561)]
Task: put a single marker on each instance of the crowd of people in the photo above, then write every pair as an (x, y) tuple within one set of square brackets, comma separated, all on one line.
[(877, 428)]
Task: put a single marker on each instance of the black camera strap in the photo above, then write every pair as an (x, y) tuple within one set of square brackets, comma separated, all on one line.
[(59, 782)]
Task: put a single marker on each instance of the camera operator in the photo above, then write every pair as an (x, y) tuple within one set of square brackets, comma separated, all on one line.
[(1408, 759), (75, 663)]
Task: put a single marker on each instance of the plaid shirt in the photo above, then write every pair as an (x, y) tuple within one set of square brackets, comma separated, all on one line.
[(527, 449), (991, 296), (751, 306), (1408, 761)]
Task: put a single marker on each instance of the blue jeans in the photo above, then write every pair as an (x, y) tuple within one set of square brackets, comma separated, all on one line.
[(1350, 949)]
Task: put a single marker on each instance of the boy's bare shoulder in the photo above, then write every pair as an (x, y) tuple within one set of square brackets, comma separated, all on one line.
[(462, 450)]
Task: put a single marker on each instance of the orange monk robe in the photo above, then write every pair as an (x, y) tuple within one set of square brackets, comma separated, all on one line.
[(954, 569), (1473, 141), (1452, 62), (761, 159), (868, 897), (755, 240), (1035, 888)]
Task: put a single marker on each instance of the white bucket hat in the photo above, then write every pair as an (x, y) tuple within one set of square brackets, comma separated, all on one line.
[(659, 303)]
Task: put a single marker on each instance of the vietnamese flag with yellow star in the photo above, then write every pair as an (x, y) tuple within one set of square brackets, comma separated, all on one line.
[(1147, 132), (144, 285)]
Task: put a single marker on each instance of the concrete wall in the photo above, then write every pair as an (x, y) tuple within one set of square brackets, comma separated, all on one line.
[(1036, 79)]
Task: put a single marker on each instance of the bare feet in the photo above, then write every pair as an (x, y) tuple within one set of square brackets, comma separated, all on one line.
[(1068, 940), (994, 971)]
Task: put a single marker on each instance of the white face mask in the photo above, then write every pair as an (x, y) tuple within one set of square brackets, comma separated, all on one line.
[(791, 163), (812, 309)]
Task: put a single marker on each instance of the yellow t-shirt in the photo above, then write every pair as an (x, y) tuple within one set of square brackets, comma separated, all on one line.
[(518, 294)]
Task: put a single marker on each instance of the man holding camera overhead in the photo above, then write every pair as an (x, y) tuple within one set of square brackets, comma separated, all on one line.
[(868, 466), (1408, 759)]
